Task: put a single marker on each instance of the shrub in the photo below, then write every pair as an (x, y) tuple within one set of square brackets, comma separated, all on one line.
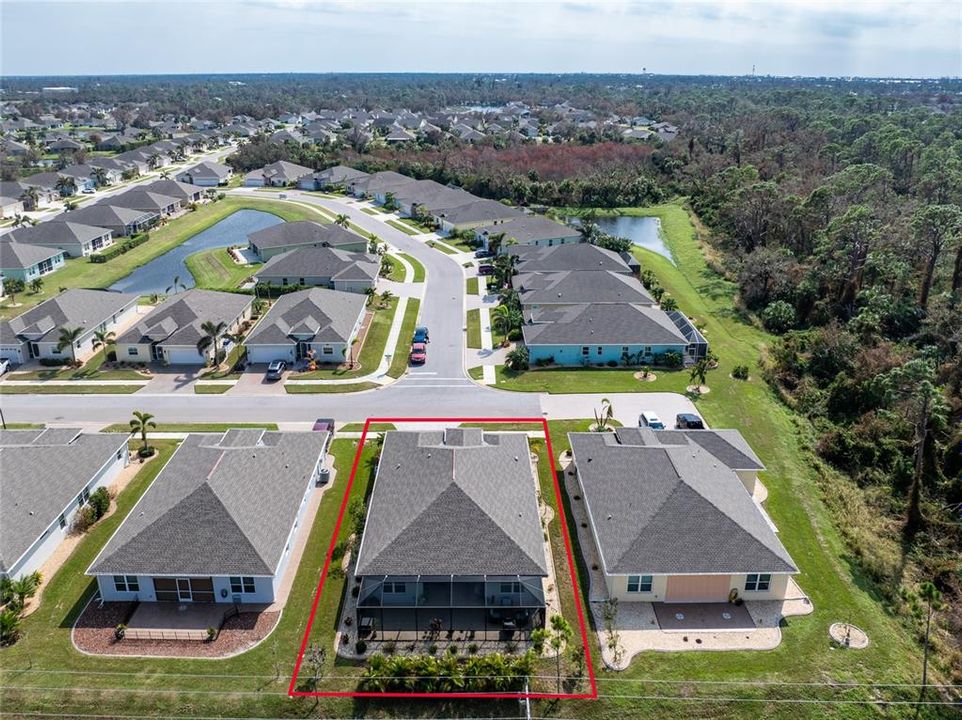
[(452, 650), (389, 647), (473, 648), (355, 591), (612, 363), (433, 649), (146, 452), (85, 517), (100, 501), (211, 634), (120, 631), (515, 335), (53, 362), (779, 317), (740, 372), (360, 647)]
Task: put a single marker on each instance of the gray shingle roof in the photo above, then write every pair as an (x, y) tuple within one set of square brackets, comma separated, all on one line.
[(107, 214), (582, 286), (72, 308), (208, 170), (281, 170), (303, 232), (573, 256), (600, 324), (143, 200), (173, 189), (385, 181), (671, 509), (529, 229), (19, 256), (34, 486), (321, 262), (178, 320), (339, 174), (460, 503), (327, 315), (57, 232), (223, 505), (479, 210), (727, 445)]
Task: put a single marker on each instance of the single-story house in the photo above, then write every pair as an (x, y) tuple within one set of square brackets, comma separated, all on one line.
[(580, 256), (283, 237), (49, 181), (453, 537), (146, 201), (319, 321), (19, 261), (75, 239), (184, 192), (20, 190), (322, 267), (379, 185), (672, 522), (121, 221), (206, 174), (10, 206), (339, 176), (64, 144), (529, 230), (218, 523), (596, 334), (430, 197), (276, 174), (46, 476), (697, 343), (573, 287), (477, 213), (36, 333), (170, 332)]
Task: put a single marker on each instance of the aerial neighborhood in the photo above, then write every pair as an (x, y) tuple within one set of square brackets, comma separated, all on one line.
[(560, 389)]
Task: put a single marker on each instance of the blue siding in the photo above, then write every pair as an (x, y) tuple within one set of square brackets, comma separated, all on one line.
[(573, 355)]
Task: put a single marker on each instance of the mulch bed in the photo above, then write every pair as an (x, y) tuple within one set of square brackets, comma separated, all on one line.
[(94, 633)]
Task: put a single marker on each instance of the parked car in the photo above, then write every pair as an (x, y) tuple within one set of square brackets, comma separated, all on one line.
[(481, 254), (485, 269), (4, 366), (419, 353), (275, 371), (689, 421), (88, 191), (649, 419), (421, 334)]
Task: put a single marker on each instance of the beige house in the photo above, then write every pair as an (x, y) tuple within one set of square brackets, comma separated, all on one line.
[(675, 517)]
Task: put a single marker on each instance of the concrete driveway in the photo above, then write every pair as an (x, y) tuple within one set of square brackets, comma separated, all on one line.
[(172, 380), (253, 382)]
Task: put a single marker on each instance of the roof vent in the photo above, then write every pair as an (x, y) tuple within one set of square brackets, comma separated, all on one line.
[(609, 517)]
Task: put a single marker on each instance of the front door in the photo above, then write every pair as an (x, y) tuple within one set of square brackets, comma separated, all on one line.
[(302, 349)]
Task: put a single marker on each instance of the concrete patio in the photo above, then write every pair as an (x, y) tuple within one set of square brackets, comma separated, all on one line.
[(178, 621)]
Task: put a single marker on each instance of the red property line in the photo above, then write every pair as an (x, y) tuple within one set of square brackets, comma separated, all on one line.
[(592, 695)]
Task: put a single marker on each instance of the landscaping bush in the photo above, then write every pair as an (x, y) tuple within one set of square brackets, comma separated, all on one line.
[(612, 363), (119, 249), (360, 647), (120, 631), (52, 362), (544, 362), (211, 634), (740, 372), (100, 502), (486, 673), (515, 335), (389, 647), (146, 452), (85, 517)]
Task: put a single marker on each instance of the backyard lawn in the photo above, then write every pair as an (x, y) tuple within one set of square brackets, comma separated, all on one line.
[(215, 269), (79, 272)]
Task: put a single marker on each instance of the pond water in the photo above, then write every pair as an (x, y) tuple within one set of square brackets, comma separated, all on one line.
[(642, 231), (157, 275)]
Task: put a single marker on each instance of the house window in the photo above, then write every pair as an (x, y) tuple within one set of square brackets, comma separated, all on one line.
[(301, 281), (584, 349), (510, 587), (240, 585), (62, 520), (132, 351), (327, 350), (84, 496), (395, 588), (639, 583), (120, 454), (758, 582), (126, 583), (54, 350), (624, 349), (599, 349)]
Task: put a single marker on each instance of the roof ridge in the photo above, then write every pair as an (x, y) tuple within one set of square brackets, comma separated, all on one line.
[(228, 513)]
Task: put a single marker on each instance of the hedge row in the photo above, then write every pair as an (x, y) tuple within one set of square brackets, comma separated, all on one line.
[(115, 250)]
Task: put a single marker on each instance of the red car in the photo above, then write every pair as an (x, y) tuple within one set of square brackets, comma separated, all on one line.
[(419, 353)]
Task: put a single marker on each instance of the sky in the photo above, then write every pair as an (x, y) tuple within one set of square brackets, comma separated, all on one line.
[(720, 37)]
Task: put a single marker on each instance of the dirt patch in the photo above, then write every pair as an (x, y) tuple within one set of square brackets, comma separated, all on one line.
[(698, 389), (94, 634), (848, 636), (645, 377)]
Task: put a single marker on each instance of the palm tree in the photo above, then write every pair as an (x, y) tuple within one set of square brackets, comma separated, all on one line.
[(12, 287), (342, 220), (141, 423), (36, 285), (164, 174), (65, 185), (386, 297), (102, 338), (697, 374), (30, 198), (20, 220), (374, 245), (153, 160), (668, 304), (100, 177), (68, 338), (517, 359), (22, 589), (933, 601), (175, 286), (604, 418), (9, 626), (371, 293), (212, 334)]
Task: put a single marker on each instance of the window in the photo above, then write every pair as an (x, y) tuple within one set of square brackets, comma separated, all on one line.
[(126, 583), (327, 350), (54, 350), (62, 520), (639, 583), (395, 588), (599, 349), (510, 587), (120, 454), (584, 350), (624, 350), (301, 281), (240, 585), (132, 351), (758, 582), (84, 496)]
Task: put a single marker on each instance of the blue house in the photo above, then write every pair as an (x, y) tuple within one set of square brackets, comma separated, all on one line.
[(20, 261)]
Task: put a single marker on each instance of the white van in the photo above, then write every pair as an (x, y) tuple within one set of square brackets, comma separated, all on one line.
[(648, 419)]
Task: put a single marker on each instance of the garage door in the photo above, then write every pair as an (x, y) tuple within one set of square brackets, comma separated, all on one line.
[(698, 588)]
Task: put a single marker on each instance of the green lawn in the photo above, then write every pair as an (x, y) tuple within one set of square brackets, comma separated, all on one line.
[(371, 352), (592, 380), (419, 271), (191, 427), (399, 359), (215, 269), (78, 389), (412, 223), (459, 244), (374, 427), (397, 269), (406, 229), (476, 373), (91, 370), (442, 247), (79, 272), (311, 389), (474, 328), (472, 286), (211, 389), (368, 210)]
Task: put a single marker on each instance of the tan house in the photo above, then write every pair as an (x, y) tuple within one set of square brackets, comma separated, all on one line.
[(673, 518)]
